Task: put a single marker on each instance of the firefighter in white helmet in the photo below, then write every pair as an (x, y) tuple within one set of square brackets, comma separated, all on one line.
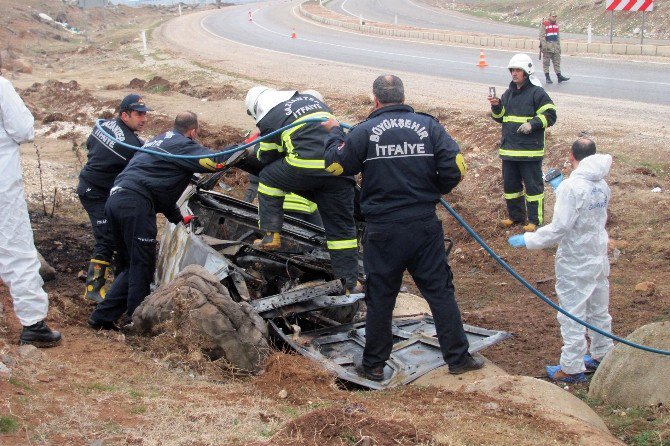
[(294, 163), (525, 110)]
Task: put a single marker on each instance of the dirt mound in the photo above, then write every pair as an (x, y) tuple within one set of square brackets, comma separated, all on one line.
[(193, 320), (301, 379), (54, 99), (348, 425)]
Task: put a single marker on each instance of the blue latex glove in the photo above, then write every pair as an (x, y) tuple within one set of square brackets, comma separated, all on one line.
[(517, 241), (556, 181)]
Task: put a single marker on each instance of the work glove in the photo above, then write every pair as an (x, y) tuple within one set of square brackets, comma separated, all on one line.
[(553, 177), (252, 137), (556, 181), (517, 241), (188, 219), (525, 128)]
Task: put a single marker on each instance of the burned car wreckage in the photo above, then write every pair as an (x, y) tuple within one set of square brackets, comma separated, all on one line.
[(293, 289)]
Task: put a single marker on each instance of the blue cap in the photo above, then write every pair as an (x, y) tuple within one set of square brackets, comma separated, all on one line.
[(134, 102)]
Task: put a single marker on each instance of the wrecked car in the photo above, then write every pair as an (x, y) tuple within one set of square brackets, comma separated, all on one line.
[(293, 290)]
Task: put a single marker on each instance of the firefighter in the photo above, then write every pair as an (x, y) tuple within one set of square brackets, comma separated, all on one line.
[(408, 160), (525, 111), (19, 265), (148, 185), (550, 45), (106, 159), (294, 163)]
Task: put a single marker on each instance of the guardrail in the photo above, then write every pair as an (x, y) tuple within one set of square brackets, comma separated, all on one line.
[(522, 44)]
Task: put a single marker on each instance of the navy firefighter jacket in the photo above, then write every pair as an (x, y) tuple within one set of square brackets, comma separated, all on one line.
[(302, 145), (106, 157), (407, 159), (162, 180)]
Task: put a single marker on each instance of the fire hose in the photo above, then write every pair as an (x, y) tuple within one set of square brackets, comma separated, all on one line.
[(444, 203)]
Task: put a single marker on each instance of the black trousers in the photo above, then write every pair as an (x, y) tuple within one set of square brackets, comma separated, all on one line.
[(520, 205), (334, 197), (93, 200), (132, 221), (417, 246)]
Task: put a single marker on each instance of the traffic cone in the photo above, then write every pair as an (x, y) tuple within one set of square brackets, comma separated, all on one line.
[(293, 36), (250, 18), (482, 60)]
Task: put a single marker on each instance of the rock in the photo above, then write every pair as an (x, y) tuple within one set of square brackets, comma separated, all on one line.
[(5, 372), (646, 288), (282, 394), (7, 360), (195, 312), (22, 66), (46, 271), (29, 352), (548, 401), (630, 377)]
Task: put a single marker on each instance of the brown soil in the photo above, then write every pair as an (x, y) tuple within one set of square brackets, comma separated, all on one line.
[(98, 386)]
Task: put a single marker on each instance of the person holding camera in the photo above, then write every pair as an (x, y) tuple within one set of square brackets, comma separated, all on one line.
[(525, 110)]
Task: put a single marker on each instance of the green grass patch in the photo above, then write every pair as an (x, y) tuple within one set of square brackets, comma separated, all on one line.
[(98, 387), (20, 384), (8, 425), (138, 410)]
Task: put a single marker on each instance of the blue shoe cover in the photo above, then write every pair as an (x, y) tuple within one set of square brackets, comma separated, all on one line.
[(590, 363), (552, 370)]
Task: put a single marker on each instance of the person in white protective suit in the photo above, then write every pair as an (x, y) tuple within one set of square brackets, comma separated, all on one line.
[(582, 266), (19, 266)]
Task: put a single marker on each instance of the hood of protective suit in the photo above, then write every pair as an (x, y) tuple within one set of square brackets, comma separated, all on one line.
[(269, 99), (594, 167)]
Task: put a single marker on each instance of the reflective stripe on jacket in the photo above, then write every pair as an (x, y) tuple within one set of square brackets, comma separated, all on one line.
[(531, 104), (302, 145)]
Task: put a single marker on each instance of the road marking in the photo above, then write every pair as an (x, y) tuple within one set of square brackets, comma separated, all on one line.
[(394, 54)]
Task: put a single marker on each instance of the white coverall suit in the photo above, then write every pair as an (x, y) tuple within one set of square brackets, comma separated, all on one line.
[(19, 266), (582, 266)]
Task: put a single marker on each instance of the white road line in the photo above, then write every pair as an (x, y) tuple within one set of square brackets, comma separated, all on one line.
[(409, 56)]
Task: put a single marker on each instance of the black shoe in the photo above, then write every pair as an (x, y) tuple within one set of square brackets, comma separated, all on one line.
[(549, 81), (374, 373), (470, 363), (101, 325), (39, 335), (562, 78)]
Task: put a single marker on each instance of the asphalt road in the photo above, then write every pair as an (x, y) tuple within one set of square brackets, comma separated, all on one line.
[(272, 26), (417, 14)]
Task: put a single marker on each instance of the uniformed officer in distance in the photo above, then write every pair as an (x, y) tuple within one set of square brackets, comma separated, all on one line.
[(408, 160), (106, 159), (294, 163), (148, 185)]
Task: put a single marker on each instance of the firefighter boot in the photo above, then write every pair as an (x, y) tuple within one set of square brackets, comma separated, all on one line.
[(508, 223), (271, 241), (95, 281), (562, 78), (530, 227), (549, 81)]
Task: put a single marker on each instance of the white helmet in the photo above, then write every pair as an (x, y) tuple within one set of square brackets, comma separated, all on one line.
[(251, 100), (314, 93), (523, 62), (260, 100)]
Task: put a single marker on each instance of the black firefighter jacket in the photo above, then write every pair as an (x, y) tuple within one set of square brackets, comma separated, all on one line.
[(106, 157), (531, 104), (162, 180), (407, 159), (302, 145)]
